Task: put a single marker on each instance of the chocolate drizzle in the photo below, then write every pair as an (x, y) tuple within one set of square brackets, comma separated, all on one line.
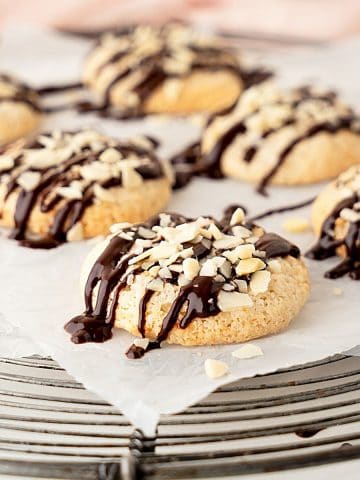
[(67, 211), (196, 299), (22, 93), (328, 245)]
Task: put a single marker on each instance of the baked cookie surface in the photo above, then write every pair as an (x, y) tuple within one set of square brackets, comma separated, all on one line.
[(191, 282), (169, 69), (66, 186), (20, 112), (336, 222), (285, 137)]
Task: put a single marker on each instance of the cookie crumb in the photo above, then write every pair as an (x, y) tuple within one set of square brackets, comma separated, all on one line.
[(215, 368), (248, 351), (296, 225), (337, 291)]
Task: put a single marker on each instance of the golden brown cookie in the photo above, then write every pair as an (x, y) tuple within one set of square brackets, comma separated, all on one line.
[(67, 186), (170, 69), (285, 137), (336, 222), (191, 282), (20, 112)]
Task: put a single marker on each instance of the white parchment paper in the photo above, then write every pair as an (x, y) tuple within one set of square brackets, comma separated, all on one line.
[(40, 292)]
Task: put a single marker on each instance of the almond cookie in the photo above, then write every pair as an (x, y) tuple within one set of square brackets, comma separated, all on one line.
[(336, 222), (169, 69), (20, 112), (67, 186), (190, 282), (276, 136)]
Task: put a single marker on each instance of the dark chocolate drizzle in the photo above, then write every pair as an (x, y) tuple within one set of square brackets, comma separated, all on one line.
[(197, 299), (70, 211), (22, 94), (327, 245), (288, 208)]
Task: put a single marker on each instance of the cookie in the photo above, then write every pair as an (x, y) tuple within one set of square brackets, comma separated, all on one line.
[(20, 112), (336, 222), (170, 69), (191, 282), (66, 186), (284, 137)]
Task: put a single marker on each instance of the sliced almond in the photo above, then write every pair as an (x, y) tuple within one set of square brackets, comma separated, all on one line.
[(241, 231), (259, 281), (249, 350), (191, 268), (229, 301), (274, 266), (208, 269), (215, 368), (76, 233), (249, 265), (141, 342), (6, 162), (110, 155), (96, 171), (156, 285), (215, 231), (131, 178), (29, 180), (296, 225), (350, 215), (241, 285), (237, 217), (228, 242), (70, 192), (240, 252)]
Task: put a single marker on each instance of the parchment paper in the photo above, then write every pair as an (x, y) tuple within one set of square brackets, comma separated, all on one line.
[(39, 289)]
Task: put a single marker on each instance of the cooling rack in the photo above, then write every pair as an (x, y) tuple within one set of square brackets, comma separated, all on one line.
[(304, 417)]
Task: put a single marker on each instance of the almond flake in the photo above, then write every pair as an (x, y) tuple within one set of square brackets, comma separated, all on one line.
[(146, 233), (240, 231), (229, 301), (156, 285), (215, 368), (215, 232), (76, 233), (296, 225), (110, 155), (165, 273), (242, 285), (248, 351), (237, 217), (176, 268), (141, 342), (249, 265), (191, 268), (260, 281), (208, 269), (225, 269), (70, 192), (131, 178), (6, 162), (96, 171), (241, 252), (227, 242), (350, 215), (29, 180), (274, 266)]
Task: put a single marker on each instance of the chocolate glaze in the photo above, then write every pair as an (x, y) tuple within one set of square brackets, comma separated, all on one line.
[(327, 244), (70, 211), (197, 299)]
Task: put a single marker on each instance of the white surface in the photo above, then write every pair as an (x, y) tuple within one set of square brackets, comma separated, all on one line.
[(39, 290)]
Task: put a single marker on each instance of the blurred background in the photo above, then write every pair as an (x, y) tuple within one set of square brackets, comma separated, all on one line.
[(300, 20)]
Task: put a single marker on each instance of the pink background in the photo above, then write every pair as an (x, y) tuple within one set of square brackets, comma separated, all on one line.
[(311, 19)]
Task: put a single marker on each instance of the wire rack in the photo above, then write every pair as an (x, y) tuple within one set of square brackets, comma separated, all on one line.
[(52, 427)]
